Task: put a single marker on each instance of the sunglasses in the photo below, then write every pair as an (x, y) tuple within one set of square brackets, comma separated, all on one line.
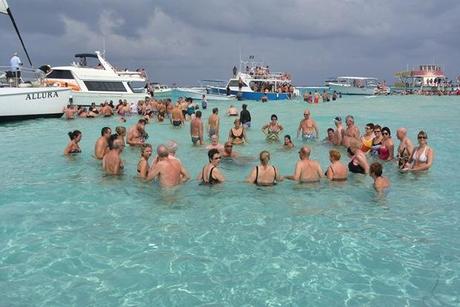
[(422, 137)]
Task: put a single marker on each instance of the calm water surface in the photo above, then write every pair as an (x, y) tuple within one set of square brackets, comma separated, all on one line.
[(71, 236)]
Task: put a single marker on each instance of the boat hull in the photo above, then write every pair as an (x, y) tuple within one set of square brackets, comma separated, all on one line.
[(246, 95), (198, 94), (86, 98), (27, 103), (350, 90)]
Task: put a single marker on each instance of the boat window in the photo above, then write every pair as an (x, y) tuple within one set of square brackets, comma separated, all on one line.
[(60, 74), (235, 83), (105, 86), (137, 86)]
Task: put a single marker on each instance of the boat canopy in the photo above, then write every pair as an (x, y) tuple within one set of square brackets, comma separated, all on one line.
[(86, 55), (357, 78)]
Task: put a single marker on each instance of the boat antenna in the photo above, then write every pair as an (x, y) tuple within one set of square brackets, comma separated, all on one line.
[(6, 10), (103, 46)]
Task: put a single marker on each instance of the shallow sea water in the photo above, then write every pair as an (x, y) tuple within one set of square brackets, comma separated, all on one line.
[(71, 236)]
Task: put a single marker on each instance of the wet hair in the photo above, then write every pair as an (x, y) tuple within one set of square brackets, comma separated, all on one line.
[(288, 137), (144, 147), (274, 117), (198, 114), (74, 134), (334, 154), (142, 121), (387, 130), (330, 130), (105, 130), (215, 110), (264, 156), (376, 168), (211, 153), (370, 125), (120, 130), (112, 143), (237, 121)]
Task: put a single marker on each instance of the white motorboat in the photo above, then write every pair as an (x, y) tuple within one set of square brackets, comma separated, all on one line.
[(99, 82), (199, 93), (358, 86), (23, 98)]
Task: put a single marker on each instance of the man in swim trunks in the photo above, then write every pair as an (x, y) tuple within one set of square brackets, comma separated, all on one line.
[(169, 172), (214, 123), (106, 110), (70, 111), (137, 134), (112, 163), (196, 129), (307, 127), (306, 170), (352, 132), (177, 117), (102, 143), (405, 147)]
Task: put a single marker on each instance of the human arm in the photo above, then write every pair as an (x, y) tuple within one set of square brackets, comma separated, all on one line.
[(329, 173), (391, 149), (216, 174), (153, 173), (143, 169), (297, 172), (184, 174), (252, 176), (427, 165)]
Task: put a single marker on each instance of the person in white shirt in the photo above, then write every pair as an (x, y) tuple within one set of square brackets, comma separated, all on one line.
[(15, 63)]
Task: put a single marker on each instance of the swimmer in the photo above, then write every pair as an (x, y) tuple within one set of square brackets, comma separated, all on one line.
[(177, 117), (112, 163), (367, 137), (102, 143), (143, 164), (171, 146), (237, 134), (351, 132), (137, 134), (307, 127), (73, 146), (196, 129), (386, 150), (306, 170), (228, 151), (264, 174), (70, 112), (210, 174), (288, 142), (405, 147), (121, 132), (380, 182), (422, 157), (245, 117), (337, 171), (215, 144), (272, 130), (232, 111), (330, 136), (169, 172), (358, 163), (377, 140), (214, 123)]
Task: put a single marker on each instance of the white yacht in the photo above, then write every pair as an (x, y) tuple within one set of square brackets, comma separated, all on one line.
[(22, 94), (98, 82), (358, 86)]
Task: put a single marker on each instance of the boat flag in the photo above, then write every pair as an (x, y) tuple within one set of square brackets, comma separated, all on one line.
[(6, 10), (3, 7)]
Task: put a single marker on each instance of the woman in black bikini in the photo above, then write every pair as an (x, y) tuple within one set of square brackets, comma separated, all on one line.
[(264, 174), (237, 134), (210, 174), (358, 163), (143, 164), (73, 146)]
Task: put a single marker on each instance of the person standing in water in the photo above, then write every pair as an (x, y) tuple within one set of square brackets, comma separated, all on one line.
[(264, 174), (380, 182)]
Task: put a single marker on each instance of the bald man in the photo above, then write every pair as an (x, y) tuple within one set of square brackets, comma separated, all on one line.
[(405, 148), (306, 170), (169, 172)]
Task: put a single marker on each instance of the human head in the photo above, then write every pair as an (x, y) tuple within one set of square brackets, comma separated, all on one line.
[(141, 123), (386, 132), (212, 154), (162, 151), (376, 169), (330, 132), (228, 146), (304, 152), (74, 134), (237, 122), (334, 155), (369, 127), (401, 133), (264, 157), (106, 131), (215, 110), (354, 145), (214, 139), (146, 150), (115, 143), (287, 139), (171, 146), (306, 113), (377, 130), (350, 120), (422, 136), (274, 117), (198, 114), (244, 106), (120, 130)]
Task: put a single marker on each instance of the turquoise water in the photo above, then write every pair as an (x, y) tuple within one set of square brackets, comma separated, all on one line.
[(71, 236)]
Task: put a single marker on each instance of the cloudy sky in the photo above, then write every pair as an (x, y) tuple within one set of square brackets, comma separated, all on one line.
[(184, 41)]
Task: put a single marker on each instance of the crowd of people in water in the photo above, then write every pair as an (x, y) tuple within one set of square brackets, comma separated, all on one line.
[(375, 144)]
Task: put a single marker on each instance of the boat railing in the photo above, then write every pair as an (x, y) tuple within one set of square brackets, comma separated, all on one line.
[(278, 76), (24, 77)]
